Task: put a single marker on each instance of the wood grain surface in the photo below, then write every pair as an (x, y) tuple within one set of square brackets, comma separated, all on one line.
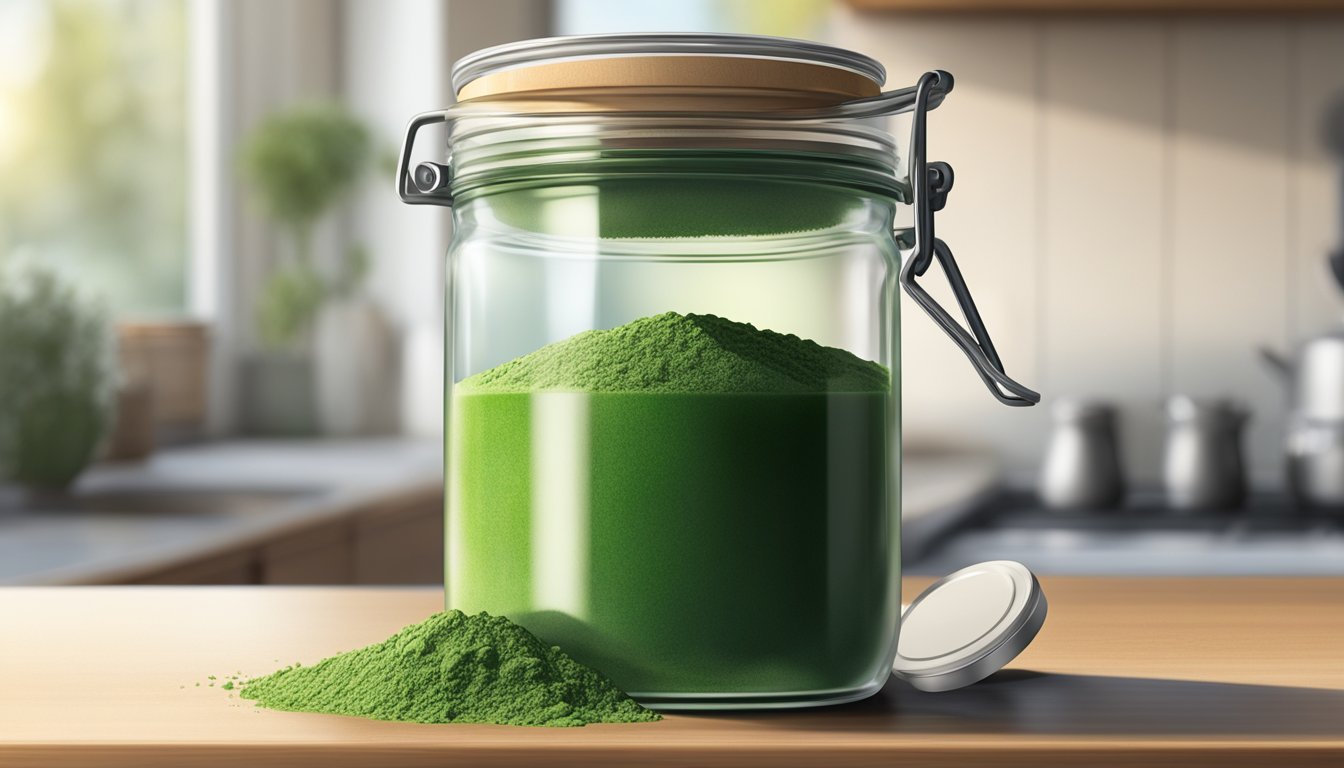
[(1127, 672)]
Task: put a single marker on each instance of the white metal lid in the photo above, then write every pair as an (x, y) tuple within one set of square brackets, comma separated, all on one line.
[(968, 625)]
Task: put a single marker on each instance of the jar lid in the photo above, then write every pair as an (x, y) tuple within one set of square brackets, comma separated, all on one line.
[(968, 625), (669, 71)]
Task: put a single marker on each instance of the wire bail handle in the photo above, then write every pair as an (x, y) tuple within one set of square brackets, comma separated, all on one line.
[(428, 185), (930, 184)]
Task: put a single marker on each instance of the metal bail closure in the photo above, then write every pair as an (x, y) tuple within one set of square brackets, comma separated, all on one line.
[(930, 183), (428, 183)]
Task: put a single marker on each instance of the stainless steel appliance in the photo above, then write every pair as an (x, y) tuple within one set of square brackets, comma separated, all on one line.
[(1314, 444)]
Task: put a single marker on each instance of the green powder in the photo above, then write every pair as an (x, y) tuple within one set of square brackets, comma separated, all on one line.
[(699, 508), (683, 353), (453, 668)]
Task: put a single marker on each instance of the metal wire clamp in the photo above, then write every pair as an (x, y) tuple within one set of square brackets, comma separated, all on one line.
[(930, 184)]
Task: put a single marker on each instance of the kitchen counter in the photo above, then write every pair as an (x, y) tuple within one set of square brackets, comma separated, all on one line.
[(193, 503), (1126, 672), (190, 503)]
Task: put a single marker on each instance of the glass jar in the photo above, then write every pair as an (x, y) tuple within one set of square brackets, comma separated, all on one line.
[(673, 443)]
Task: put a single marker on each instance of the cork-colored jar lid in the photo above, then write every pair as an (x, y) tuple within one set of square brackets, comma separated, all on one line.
[(659, 72)]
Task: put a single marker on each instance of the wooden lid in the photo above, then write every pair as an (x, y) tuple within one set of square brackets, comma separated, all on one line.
[(667, 72)]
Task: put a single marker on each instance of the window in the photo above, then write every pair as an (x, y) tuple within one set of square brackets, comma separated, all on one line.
[(785, 18), (93, 145)]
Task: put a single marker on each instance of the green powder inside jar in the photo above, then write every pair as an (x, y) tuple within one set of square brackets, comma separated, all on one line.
[(690, 504), (452, 668), (683, 353)]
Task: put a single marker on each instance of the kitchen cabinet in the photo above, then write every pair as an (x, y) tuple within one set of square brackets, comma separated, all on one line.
[(323, 554), (400, 543), (394, 540), (238, 567), (1126, 672)]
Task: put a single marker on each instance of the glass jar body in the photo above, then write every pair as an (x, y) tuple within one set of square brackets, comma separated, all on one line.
[(702, 549)]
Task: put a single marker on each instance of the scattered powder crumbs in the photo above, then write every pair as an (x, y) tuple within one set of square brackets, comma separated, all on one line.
[(452, 668)]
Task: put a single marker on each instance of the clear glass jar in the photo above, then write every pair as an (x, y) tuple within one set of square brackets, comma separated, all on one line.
[(706, 512)]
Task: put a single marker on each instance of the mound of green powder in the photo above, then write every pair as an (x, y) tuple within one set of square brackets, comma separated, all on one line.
[(673, 352), (453, 668)]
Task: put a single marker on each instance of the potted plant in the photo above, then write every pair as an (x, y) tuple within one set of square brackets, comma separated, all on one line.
[(58, 377), (299, 165)]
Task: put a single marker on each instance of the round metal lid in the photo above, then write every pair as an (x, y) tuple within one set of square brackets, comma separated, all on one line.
[(968, 625), (550, 50)]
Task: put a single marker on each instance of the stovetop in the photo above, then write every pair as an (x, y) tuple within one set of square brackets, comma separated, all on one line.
[(1268, 536)]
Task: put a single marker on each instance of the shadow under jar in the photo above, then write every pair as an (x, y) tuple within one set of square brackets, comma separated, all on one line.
[(673, 408)]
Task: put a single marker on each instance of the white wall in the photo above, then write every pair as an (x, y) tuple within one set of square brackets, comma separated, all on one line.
[(396, 62), (387, 61), (394, 66), (1140, 202), (249, 58)]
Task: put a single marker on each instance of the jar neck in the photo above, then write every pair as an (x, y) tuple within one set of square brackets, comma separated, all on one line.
[(489, 153), (700, 210)]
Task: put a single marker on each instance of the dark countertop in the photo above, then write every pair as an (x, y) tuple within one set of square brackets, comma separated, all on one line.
[(194, 501)]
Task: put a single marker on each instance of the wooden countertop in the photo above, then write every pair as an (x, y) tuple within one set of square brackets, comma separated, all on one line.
[(1128, 672)]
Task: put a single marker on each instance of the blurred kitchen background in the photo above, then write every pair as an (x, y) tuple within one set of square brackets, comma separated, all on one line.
[(1147, 195)]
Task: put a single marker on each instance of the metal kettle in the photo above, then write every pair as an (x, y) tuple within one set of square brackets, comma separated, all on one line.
[(1314, 376), (1314, 444)]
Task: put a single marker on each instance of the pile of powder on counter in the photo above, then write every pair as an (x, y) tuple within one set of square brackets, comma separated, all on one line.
[(673, 352), (453, 668)]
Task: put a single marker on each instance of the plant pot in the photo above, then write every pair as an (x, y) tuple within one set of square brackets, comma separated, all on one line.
[(55, 439), (276, 395), (170, 358), (357, 368), (133, 433)]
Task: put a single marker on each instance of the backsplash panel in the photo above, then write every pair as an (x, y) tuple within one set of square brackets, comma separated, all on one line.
[(1140, 203)]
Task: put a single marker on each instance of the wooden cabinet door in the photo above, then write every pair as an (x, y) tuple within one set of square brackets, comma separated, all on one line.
[(317, 555), (402, 543), (228, 568)]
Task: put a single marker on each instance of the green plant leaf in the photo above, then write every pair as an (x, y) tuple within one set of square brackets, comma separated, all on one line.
[(290, 301), (298, 163), (58, 377)]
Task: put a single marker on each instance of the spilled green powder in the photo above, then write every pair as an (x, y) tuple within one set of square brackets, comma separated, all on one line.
[(453, 668), (672, 352)]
